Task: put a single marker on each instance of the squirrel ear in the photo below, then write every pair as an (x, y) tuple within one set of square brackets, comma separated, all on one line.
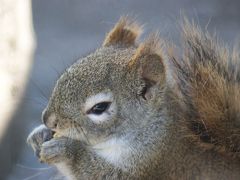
[(148, 62), (125, 33)]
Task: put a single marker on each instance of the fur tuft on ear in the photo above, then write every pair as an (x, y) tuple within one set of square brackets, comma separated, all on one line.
[(125, 32), (152, 45)]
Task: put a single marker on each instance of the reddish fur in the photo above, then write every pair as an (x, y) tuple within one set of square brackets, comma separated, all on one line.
[(208, 78), (125, 33)]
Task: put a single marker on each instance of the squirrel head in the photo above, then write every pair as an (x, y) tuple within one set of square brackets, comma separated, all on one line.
[(111, 91)]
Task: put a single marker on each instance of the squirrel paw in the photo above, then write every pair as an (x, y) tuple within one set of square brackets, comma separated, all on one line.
[(38, 136), (54, 151)]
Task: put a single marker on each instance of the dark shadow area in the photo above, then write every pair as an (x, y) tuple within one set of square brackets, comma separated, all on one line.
[(66, 30)]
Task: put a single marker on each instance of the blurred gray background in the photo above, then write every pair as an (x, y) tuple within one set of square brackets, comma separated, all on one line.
[(68, 29)]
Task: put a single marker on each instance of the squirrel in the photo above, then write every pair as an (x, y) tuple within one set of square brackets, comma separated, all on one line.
[(134, 110)]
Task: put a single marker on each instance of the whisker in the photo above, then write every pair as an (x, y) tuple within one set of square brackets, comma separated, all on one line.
[(57, 177), (55, 70), (39, 89), (37, 101), (36, 169), (33, 176), (81, 130)]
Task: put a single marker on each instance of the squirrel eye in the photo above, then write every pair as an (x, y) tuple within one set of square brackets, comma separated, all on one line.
[(99, 108)]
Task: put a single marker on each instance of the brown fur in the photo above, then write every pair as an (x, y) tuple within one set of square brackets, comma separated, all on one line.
[(152, 45), (208, 76), (125, 32)]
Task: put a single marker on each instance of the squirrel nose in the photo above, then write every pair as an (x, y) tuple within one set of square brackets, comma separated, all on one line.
[(49, 119)]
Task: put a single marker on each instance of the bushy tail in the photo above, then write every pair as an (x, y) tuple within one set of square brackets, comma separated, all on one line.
[(208, 76)]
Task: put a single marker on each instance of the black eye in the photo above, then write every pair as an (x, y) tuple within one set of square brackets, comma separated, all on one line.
[(99, 108)]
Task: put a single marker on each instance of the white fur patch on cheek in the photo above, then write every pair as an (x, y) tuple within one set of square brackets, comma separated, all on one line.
[(115, 151), (65, 170)]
